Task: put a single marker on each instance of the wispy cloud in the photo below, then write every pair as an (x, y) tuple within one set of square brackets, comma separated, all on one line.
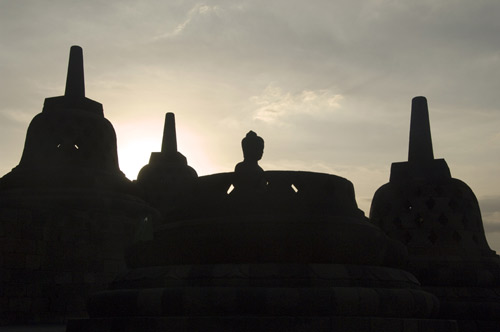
[(197, 10), (17, 115), (274, 103)]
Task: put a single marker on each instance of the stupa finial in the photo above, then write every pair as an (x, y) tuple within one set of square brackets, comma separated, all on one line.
[(169, 143), (420, 149), (75, 83)]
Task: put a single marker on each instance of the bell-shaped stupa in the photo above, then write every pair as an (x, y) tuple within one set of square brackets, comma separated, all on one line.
[(67, 212), (438, 218), (70, 143), (166, 182)]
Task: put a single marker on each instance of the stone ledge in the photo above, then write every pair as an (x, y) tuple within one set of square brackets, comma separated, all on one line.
[(254, 324)]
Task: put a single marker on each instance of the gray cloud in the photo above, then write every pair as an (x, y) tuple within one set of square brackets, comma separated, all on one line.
[(490, 210)]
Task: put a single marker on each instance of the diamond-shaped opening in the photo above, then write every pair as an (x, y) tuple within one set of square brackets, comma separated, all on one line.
[(443, 220), (457, 236), (432, 237), (408, 205), (430, 203)]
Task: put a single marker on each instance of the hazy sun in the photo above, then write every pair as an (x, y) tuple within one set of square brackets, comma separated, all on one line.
[(134, 149)]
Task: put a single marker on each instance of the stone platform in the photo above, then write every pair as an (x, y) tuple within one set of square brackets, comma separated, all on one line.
[(263, 297), (252, 324)]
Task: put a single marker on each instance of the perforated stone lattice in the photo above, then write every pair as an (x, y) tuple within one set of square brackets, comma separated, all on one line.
[(430, 214)]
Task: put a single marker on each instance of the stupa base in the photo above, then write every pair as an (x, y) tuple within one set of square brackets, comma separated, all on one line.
[(252, 323), (263, 297)]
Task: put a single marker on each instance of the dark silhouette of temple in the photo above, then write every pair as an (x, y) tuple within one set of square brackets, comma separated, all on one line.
[(249, 250), (67, 212), (437, 217)]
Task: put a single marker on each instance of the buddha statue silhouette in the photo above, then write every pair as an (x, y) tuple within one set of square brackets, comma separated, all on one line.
[(249, 176)]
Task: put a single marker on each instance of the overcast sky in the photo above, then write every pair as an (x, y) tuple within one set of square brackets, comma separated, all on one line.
[(327, 84)]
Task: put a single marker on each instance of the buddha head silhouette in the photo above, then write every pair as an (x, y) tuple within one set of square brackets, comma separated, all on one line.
[(253, 147)]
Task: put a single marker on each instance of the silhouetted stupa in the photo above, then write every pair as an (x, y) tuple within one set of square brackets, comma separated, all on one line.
[(67, 212), (69, 144), (437, 217), (167, 181)]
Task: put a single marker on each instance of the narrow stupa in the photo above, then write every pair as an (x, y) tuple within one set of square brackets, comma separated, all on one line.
[(167, 179), (438, 218)]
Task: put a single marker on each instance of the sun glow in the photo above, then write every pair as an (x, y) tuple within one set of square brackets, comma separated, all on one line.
[(192, 146), (134, 155), (134, 149)]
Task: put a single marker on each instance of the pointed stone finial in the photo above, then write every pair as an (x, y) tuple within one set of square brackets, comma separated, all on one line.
[(169, 143), (75, 84), (420, 149)]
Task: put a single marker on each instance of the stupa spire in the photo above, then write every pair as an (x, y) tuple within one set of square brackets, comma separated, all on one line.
[(75, 83), (169, 143), (420, 149)]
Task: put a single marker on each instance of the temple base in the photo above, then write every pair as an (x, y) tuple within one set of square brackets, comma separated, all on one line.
[(244, 324), (263, 297)]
